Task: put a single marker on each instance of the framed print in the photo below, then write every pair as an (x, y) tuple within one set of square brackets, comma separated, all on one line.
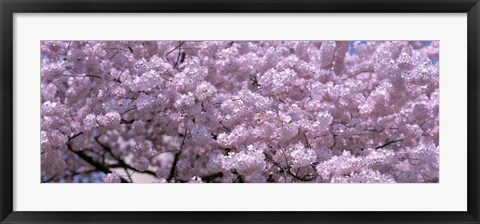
[(246, 112)]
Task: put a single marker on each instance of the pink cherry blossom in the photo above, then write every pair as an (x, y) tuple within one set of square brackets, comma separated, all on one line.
[(240, 111)]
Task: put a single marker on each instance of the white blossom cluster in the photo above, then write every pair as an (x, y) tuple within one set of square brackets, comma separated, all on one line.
[(240, 111)]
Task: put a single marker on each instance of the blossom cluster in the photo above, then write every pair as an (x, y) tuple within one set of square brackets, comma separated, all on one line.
[(240, 111)]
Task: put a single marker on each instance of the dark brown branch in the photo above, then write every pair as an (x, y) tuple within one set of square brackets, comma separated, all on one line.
[(74, 136), (91, 76), (288, 171), (239, 177), (211, 177), (128, 110), (306, 141), (173, 170), (178, 55), (128, 174), (116, 52), (388, 143), (92, 162), (304, 178), (121, 163), (177, 47), (334, 141), (122, 121)]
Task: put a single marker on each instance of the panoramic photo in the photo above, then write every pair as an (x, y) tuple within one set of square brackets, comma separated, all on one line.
[(240, 111)]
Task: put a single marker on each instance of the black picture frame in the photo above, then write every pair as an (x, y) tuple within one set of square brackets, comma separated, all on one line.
[(9, 7)]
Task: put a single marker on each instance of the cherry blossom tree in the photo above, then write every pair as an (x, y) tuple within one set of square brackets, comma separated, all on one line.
[(238, 111)]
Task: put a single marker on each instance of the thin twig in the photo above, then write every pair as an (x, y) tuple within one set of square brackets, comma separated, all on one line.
[(128, 174), (388, 143), (84, 76)]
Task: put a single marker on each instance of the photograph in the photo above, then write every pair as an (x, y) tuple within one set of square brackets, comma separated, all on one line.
[(238, 111), (241, 112)]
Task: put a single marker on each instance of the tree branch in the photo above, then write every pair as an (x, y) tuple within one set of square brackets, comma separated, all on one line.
[(92, 162), (288, 171), (173, 170), (121, 163), (211, 177), (388, 143)]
